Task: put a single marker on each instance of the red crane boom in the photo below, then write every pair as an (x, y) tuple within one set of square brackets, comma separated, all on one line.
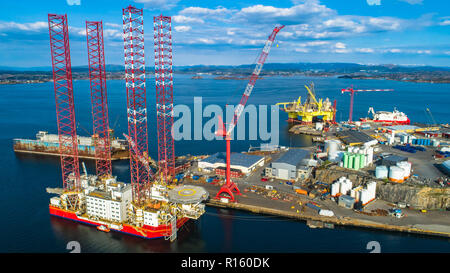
[(65, 112), (352, 92), (230, 186)]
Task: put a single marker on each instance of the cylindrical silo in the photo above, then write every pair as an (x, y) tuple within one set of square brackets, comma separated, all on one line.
[(396, 174), (381, 172)]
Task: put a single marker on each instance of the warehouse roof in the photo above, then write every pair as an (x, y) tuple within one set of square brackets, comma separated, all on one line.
[(354, 137), (346, 198), (293, 157), (237, 159), (401, 127), (393, 159)]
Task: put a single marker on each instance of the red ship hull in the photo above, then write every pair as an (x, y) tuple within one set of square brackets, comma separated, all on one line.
[(145, 231), (404, 122)]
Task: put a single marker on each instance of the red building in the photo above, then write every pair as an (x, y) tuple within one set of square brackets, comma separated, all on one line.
[(234, 172)]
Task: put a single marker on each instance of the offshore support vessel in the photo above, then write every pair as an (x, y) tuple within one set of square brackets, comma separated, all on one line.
[(108, 203), (395, 117)]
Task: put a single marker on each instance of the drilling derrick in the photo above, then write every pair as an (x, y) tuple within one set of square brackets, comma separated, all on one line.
[(65, 112), (164, 96), (133, 30), (97, 76)]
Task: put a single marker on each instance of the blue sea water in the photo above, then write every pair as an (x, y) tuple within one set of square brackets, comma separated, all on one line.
[(27, 227)]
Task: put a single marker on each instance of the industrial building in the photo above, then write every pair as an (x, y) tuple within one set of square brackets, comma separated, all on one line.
[(293, 165), (346, 201), (392, 160), (245, 163)]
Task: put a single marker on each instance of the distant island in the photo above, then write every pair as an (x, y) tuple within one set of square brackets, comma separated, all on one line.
[(431, 74)]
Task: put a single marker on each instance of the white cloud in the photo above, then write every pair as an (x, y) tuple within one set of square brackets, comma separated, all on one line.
[(286, 34), (113, 25), (73, 2), (345, 23), (36, 26), (302, 50), (339, 45), (204, 11), (182, 28), (317, 43), (158, 4), (445, 23), (373, 2), (113, 33), (296, 14), (385, 23), (342, 51), (423, 51), (364, 50), (205, 41), (184, 19), (393, 50)]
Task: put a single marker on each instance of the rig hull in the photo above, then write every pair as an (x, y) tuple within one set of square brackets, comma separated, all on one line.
[(146, 232), (48, 144)]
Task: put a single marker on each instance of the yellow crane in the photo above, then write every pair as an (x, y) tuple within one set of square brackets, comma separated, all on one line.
[(311, 108)]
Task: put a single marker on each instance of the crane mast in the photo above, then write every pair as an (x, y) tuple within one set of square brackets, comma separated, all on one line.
[(230, 186), (352, 93), (248, 89)]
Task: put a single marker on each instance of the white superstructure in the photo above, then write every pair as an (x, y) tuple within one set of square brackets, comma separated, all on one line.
[(82, 140), (111, 204)]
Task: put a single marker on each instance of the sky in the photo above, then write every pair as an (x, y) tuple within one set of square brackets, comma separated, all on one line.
[(232, 32)]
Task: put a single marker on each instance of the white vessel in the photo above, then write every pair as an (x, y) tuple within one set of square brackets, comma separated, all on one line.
[(395, 117)]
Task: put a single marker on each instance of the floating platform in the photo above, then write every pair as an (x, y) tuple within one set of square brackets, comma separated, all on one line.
[(48, 144)]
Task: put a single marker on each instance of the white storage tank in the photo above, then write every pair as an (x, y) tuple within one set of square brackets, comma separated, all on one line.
[(406, 168), (396, 174), (365, 196), (372, 187), (335, 188), (353, 193), (369, 157), (332, 146), (346, 186), (381, 172), (319, 126)]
